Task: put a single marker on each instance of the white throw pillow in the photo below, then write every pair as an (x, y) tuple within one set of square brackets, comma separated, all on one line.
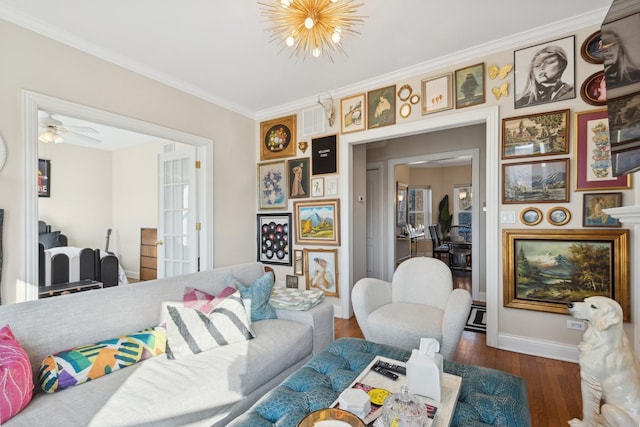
[(190, 331)]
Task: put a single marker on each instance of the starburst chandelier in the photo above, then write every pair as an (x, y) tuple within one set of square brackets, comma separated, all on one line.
[(312, 27)]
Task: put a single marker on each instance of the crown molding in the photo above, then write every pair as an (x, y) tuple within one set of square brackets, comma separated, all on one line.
[(554, 29), (528, 37)]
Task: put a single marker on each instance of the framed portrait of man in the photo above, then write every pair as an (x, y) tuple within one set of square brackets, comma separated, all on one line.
[(545, 73)]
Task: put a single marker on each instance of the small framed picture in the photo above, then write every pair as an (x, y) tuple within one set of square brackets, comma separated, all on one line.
[(298, 178), (292, 281), (44, 178), (594, 89), (558, 215), (436, 94), (353, 113), (381, 107), (278, 138), (590, 49), (592, 209), (324, 155), (317, 187), (331, 185), (542, 134), (272, 185), (273, 238), (298, 262), (536, 182), (548, 65), (592, 157), (321, 270), (470, 86), (531, 216)]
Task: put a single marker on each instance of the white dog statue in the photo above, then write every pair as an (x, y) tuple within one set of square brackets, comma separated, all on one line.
[(609, 369)]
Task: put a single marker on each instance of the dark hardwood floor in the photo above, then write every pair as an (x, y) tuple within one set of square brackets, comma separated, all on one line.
[(553, 386)]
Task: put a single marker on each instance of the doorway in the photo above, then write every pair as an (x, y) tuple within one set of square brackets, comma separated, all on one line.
[(33, 102), (351, 182)]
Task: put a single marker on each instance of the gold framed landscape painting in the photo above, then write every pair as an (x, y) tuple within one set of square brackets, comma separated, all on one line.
[(278, 138), (317, 222), (546, 269)]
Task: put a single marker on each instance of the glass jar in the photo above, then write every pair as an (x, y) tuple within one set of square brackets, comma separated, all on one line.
[(403, 410)]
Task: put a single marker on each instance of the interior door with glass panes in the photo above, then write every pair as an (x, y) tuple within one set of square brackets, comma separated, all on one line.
[(178, 246)]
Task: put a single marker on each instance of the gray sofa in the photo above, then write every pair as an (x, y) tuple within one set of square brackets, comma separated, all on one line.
[(210, 388)]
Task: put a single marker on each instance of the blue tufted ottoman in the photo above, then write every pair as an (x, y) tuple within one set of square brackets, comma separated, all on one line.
[(487, 397)]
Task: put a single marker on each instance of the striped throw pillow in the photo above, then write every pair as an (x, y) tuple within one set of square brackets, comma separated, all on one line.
[(190, 331), (16, 379)]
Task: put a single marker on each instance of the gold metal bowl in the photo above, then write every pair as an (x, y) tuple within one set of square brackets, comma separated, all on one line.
[(343, 419)]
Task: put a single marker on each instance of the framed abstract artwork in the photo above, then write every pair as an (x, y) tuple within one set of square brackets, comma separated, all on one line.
[(272, 185), (546, 269), (273, 238), (278, 138)]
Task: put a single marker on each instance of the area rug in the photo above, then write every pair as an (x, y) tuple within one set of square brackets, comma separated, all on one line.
[(477, 321)]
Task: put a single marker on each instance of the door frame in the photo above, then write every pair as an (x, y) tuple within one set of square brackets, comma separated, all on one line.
[(380, 167), (31, 103), (475, 202), (491, 118)]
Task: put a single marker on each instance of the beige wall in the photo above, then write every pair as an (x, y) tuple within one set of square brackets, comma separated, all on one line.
[(38, 64)]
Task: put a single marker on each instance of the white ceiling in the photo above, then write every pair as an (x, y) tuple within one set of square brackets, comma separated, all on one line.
[(220, 51)]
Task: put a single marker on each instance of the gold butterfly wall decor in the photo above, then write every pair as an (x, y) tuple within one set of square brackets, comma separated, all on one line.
[(500, 73), (501, 91)]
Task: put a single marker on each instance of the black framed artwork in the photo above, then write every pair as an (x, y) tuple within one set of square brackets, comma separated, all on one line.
[(273, 238), (44, 178), (324, 155)]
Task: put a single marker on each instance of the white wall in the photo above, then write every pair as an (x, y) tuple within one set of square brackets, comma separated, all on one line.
[(33, 62)]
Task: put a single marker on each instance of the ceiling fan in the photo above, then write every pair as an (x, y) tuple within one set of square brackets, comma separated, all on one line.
[(53, 129)]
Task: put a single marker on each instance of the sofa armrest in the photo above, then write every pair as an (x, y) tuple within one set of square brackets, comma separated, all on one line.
[(320, 318), (455, 317), (367, 295)]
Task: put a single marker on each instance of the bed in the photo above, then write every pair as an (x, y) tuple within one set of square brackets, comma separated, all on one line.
[(64, 269)]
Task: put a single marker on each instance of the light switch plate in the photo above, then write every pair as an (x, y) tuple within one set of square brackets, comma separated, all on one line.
[(508, 217)]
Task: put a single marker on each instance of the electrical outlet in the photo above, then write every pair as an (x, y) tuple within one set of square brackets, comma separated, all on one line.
[(575, 324)]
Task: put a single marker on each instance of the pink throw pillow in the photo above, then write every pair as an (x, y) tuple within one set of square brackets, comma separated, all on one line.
[(203, 301), (16, 378)]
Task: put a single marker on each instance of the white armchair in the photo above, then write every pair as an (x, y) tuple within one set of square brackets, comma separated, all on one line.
[(420, 302)]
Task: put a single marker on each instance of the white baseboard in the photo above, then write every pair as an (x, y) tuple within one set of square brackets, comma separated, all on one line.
[(535, 347)]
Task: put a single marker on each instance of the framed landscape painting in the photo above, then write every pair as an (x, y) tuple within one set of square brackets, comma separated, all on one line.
[(544, 134), (546, 269), (536, 182), (317, 222)]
